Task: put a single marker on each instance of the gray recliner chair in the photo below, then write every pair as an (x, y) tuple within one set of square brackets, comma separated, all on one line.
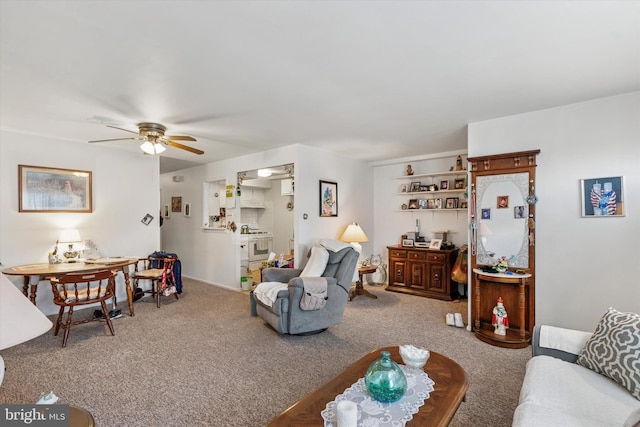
[(286, 316)]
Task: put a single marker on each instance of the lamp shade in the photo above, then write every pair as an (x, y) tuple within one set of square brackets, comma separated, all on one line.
[(152, 148), (20, 320), (354, 233), (70, 236)]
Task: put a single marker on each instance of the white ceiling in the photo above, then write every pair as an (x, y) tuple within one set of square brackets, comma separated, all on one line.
[(369, 79)]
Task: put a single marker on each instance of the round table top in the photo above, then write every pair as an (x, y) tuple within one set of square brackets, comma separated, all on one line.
[(44, 269), (368, 269)]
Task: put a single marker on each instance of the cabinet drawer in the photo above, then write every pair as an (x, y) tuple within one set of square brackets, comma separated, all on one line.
[(436, 257), (416, 255), (398, 254)]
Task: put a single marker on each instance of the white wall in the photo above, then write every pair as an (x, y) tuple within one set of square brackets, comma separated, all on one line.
[(125, 188), (214, 257), (583, 265)]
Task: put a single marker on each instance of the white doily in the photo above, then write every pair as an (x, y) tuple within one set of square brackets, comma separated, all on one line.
[(372, 413)]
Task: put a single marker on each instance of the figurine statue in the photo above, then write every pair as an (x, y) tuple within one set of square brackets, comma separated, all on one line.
[(459, 163), (499, 318), (409, 170)]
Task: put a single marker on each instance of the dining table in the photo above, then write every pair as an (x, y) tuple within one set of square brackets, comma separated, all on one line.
[(34, 274)]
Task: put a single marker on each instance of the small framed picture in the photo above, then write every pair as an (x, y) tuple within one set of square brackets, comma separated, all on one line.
[(415, 187), (176, 204), (165, 211), (431, 204), (502, 202), (424, 188), (422, 203), (187, 210), (486, 213), (433, 187), (438, 203), (403, 188), (435, 244), (413, 204), (444, 184), (451, 203), (463, 205), (519, 212), (147, 219), (603, 197), (407, 243), (458, 184)]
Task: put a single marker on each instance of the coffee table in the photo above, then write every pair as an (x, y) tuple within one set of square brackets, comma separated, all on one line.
[(450, 388)]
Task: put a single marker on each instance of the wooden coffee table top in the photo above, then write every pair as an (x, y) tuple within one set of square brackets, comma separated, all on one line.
[(449, 391)]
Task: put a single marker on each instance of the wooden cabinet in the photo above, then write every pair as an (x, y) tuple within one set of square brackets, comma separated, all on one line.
[(421, 271), (515, 291)]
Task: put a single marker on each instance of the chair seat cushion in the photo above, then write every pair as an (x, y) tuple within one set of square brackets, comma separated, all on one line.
[(82, 294), (149, 274)]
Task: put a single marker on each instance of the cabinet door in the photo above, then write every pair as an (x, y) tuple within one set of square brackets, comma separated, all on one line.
[(436, 278), (397, 271), (416, 277)]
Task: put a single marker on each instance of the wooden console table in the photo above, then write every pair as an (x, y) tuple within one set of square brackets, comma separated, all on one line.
[(513, 288)]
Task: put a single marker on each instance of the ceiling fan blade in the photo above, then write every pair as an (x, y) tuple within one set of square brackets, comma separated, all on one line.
[(114, 139), (184, 147), (126, 130), (181, 138)]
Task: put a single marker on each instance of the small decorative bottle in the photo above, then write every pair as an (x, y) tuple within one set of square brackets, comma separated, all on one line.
[(385, 380)]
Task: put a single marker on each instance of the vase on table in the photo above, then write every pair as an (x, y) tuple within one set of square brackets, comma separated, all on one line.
[(385, 380)]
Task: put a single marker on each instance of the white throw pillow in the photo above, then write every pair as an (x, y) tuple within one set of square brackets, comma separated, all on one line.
[(317, 262)]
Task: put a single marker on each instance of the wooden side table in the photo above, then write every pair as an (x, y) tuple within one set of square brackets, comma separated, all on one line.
[(359, 289)]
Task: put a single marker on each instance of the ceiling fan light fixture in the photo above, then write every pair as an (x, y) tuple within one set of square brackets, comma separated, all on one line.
[(152, 148), (264, 173)]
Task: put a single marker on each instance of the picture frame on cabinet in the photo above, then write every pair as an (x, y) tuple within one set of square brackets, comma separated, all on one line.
[(415, 187), (459, 184), (407, 243), (444, 184), (413, 204), (435, 244), (451, 203)]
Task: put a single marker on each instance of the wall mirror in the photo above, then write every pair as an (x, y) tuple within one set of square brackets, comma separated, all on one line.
[(502, 212)]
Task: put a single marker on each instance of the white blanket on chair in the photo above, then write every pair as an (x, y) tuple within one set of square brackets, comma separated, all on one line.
[(267, 292)]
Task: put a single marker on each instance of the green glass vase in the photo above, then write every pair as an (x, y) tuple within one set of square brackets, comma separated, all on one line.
[(385, 380)]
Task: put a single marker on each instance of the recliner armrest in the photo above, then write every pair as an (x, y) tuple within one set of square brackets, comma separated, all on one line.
[(282, 275), (297, 282)]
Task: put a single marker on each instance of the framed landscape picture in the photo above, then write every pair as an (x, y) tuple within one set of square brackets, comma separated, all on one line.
[(43, 189)]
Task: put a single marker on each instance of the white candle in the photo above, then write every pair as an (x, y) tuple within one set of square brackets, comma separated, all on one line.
[(347, 414)]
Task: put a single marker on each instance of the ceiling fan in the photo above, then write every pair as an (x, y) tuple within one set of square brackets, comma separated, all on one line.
[(154, 138)]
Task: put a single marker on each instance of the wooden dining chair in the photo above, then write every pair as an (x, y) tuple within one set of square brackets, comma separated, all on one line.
[(159, 271), (78, 289)]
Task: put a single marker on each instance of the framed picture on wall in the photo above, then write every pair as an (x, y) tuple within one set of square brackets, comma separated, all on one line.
[(328, 198), (602, 197), (43, 189), (176, 204)]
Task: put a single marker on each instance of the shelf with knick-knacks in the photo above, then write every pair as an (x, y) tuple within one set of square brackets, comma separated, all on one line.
[(436, 184)]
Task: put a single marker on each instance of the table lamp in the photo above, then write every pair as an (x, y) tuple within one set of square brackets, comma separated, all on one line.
[(20, 320), (354, 235), (70, 236)]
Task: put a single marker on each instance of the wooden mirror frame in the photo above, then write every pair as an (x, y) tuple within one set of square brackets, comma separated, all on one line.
[(517, 286)]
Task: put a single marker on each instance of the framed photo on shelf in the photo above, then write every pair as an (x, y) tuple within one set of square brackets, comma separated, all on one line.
[(415, 187), (403, 188), (458, 184), (43, 189), (413, 204), (407, 243), (328, 198), (431, 204), (602, 197), (422, 203), (451, 203), (433, 187), (444, 184), (424, 187), (435, 244), (438, 203)]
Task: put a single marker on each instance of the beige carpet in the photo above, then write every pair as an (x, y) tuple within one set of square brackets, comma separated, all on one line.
[(203, 361)]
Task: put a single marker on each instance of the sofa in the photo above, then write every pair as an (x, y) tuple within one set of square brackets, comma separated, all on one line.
[(558, 390)]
